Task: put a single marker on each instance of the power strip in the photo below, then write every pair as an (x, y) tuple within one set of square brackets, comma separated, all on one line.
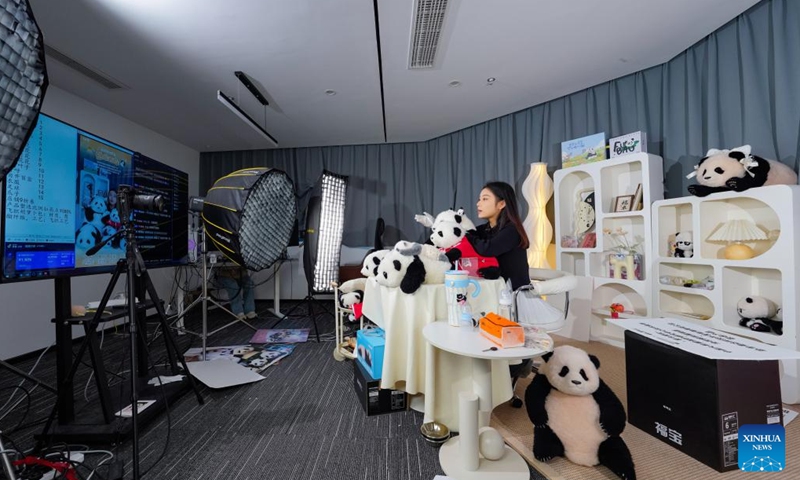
[(75, 457)]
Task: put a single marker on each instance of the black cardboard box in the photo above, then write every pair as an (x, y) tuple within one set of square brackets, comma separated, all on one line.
[(696, 404), (375, 400)]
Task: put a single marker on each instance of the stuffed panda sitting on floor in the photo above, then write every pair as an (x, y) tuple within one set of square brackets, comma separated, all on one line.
[(576, 415)]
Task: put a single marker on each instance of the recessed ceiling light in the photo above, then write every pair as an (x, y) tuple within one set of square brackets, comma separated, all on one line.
[(454, 83), (490, 79), (623, 60), (330, 92)]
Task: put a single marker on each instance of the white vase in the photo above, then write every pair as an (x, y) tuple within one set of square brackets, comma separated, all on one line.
[(537, 190)]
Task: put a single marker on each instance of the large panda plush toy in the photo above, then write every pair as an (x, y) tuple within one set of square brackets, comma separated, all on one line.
[(576, 415), (409, 265), (737, 170), (450, 238)]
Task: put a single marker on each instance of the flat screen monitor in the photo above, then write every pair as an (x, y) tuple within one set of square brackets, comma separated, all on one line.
[(60, 201)]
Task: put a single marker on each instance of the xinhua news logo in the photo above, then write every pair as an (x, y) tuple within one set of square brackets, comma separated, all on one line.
[(762, 448)]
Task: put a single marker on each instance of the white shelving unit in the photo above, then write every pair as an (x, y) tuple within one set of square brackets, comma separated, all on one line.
[(609, 179), (772, 273)]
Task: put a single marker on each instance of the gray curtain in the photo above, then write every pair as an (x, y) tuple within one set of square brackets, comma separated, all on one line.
[(738, 85)]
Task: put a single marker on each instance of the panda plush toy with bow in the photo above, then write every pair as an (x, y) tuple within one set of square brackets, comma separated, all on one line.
[(737, 170)]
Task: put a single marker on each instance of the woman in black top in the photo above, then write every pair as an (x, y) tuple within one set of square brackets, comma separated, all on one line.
[(502, 236)]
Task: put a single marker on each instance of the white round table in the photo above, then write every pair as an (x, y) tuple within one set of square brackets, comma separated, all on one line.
[(458, 456)]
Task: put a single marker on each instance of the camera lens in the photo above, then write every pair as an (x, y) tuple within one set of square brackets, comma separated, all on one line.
[(149, 203)]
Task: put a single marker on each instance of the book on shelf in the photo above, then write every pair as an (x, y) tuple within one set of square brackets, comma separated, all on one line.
[(637, 198)]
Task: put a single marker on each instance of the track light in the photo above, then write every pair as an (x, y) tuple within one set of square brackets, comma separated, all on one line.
[(228, 102), (252, 88)]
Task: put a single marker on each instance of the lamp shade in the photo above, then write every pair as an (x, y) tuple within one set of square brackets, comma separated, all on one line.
[(737, 231), (537, 190), (249, 215)]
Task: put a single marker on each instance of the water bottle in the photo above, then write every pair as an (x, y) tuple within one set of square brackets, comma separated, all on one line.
[(466, 317), (505, 304)]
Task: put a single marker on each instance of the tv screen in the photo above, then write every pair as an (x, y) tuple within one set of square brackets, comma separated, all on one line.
[(60, 201)]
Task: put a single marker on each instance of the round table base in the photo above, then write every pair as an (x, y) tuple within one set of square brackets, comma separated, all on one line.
[(511, 467)]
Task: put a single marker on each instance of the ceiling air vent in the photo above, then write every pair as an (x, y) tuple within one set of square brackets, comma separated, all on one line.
[(425, 32), (94, 75)]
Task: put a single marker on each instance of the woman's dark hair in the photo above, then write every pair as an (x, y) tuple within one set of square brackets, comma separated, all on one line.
[(510, 214)]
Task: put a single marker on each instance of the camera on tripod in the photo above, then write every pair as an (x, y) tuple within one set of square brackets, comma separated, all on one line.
[(128, 198)]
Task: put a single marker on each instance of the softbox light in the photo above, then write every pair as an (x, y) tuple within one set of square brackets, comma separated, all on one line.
[(324, 229), (249, 215), (23, 82)]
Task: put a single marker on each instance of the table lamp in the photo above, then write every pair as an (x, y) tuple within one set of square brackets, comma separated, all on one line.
[(734, 233)]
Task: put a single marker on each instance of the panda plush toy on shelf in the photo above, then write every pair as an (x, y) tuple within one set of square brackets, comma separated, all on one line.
[(737, 170), (759, 314), (576, 415)]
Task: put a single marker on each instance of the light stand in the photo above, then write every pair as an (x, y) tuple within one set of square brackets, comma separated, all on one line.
[(135, 269), (203, 300)]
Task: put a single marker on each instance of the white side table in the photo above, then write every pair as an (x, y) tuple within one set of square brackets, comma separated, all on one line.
[(458, 456)]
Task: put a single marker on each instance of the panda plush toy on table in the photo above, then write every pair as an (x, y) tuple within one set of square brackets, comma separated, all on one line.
[(410, 265), (451, 239), (576, 415), (737, 170)]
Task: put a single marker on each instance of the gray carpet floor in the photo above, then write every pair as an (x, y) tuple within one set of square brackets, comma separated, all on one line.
[(303, 421)]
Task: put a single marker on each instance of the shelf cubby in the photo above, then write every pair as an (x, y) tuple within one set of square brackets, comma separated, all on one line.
[(741, 282), (694, 306), (689, 271), (619, 179), (671, 220), (574, 263), (570, 187), (715, 212), (600, 267)]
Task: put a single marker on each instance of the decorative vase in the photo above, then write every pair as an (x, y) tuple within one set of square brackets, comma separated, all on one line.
[(537, 190)]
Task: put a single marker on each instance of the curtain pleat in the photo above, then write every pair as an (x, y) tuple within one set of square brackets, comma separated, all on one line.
[(737, 86)]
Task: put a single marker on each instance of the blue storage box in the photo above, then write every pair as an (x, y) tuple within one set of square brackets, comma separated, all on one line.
[(370, 344)]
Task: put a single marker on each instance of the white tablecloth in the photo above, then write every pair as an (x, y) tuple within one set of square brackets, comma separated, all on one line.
[(403, 317)]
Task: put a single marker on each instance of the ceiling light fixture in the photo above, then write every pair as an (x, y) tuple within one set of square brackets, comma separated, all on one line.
[(491, 79), (228, 102), (252, 88), (454, 83), (330, 92)]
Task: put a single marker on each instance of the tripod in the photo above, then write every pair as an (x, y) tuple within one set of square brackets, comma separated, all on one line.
[(134, 267), (203, 301), (310, 300)]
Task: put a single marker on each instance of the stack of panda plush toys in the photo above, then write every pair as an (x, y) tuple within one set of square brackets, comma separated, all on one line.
[(410, 265)]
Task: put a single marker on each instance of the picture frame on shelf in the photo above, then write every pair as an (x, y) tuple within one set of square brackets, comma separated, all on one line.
[(623, 203), (637, 198)]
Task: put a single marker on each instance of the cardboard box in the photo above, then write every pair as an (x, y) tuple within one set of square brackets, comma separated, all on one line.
[(375, 400), (693, 387), (370, 344)]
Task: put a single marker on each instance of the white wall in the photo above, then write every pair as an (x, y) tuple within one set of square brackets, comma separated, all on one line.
[(26, 308)]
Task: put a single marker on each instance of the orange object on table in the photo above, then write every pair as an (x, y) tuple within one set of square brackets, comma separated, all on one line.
[(502, 331)]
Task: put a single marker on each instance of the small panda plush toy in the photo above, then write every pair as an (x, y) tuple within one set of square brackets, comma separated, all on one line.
[(369, 267), (737, 170), (406, 267), (576, 415), (451, 239), (351, 294), (683, 245), (759, 314)]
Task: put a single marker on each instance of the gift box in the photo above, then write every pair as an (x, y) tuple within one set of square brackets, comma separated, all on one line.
[(502, 331), (693, 387), (370, 344), (373, 399)]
